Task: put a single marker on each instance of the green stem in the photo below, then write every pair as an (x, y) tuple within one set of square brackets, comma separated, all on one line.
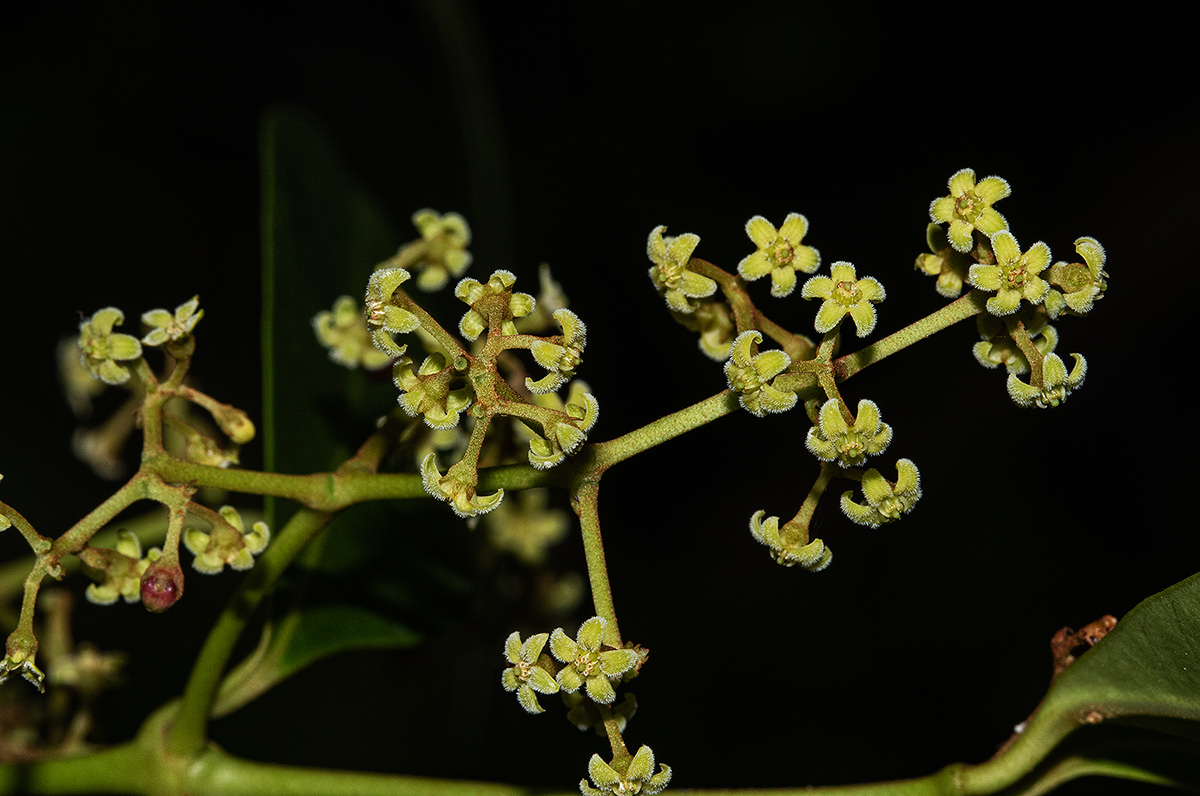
[(186, 736), (616, 450), (968, 306), (586, 502)]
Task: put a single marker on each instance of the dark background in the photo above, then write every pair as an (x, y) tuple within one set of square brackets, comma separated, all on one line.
[(128, 176)]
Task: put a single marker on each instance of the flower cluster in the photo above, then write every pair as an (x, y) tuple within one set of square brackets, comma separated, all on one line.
[(443, 248)]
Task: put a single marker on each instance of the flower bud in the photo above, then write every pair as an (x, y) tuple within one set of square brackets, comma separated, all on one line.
[(235, 423), (162, 586)]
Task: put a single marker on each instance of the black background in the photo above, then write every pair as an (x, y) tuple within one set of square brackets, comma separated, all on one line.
[(129, 177)]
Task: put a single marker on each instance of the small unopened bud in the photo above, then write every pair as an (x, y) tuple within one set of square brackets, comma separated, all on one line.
[(235, 423), (162, 586)]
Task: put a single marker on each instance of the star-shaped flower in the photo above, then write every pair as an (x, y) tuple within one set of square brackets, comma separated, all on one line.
[(530, 670), (943, 261), (561, 358), (969, 207), (1014, 276), (168, 327), (103, 348), (790, 545), (1080, 284), (845, 294), (886, 501), (750, 376), (1057, 384), (588, 664), (119, 571), (850, 444), (493, 297), (565, 435), (428, 393), (229, 543), (457, 487), (779, 253), (638, 777), (446, 238), (670, 273), (343, 330), (383, 317)]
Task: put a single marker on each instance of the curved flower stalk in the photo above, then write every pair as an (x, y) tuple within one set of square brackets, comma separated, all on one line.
[(588, 664), (998, 348), (637, 778), (1014, 276), (457, 488), (750, 376), (678, 285), (103, 348), (227, 543), (886, 501), (586, 714), (561, 358), (383, 317), (1057, 384), (1077, 286), (493, 299), (845, 294), (969, 207), (779, 253), (832, 438), (427, 391), (790, 545), (343, 330), (445, 239), (531, 673)]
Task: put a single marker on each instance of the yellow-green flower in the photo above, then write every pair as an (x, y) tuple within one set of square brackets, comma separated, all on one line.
[(943, 261), (525, 527), (446, 238), (457, 487), (1057, 384), (120, 570), (428, 393), (997, 347), (103, 348), (886, 500), (565, 434), (670, 274), (495, 298), (383, 317), (1080, 284), (531, 671), (637, 778), (588, 664), (228, 543), (969, 207), (849, 444), (172, 327), (790, 545), (750, 376), (845, 294), (343, 330), (1014, 276), (779, 253), (561, 358)]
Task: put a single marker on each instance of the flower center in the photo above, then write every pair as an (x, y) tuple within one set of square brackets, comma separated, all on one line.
[(846, 293), (376, 310), (968, 206), (782, 253), (1014, 274)]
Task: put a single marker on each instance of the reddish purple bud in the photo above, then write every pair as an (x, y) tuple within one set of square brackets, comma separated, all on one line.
[(162, 586)]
